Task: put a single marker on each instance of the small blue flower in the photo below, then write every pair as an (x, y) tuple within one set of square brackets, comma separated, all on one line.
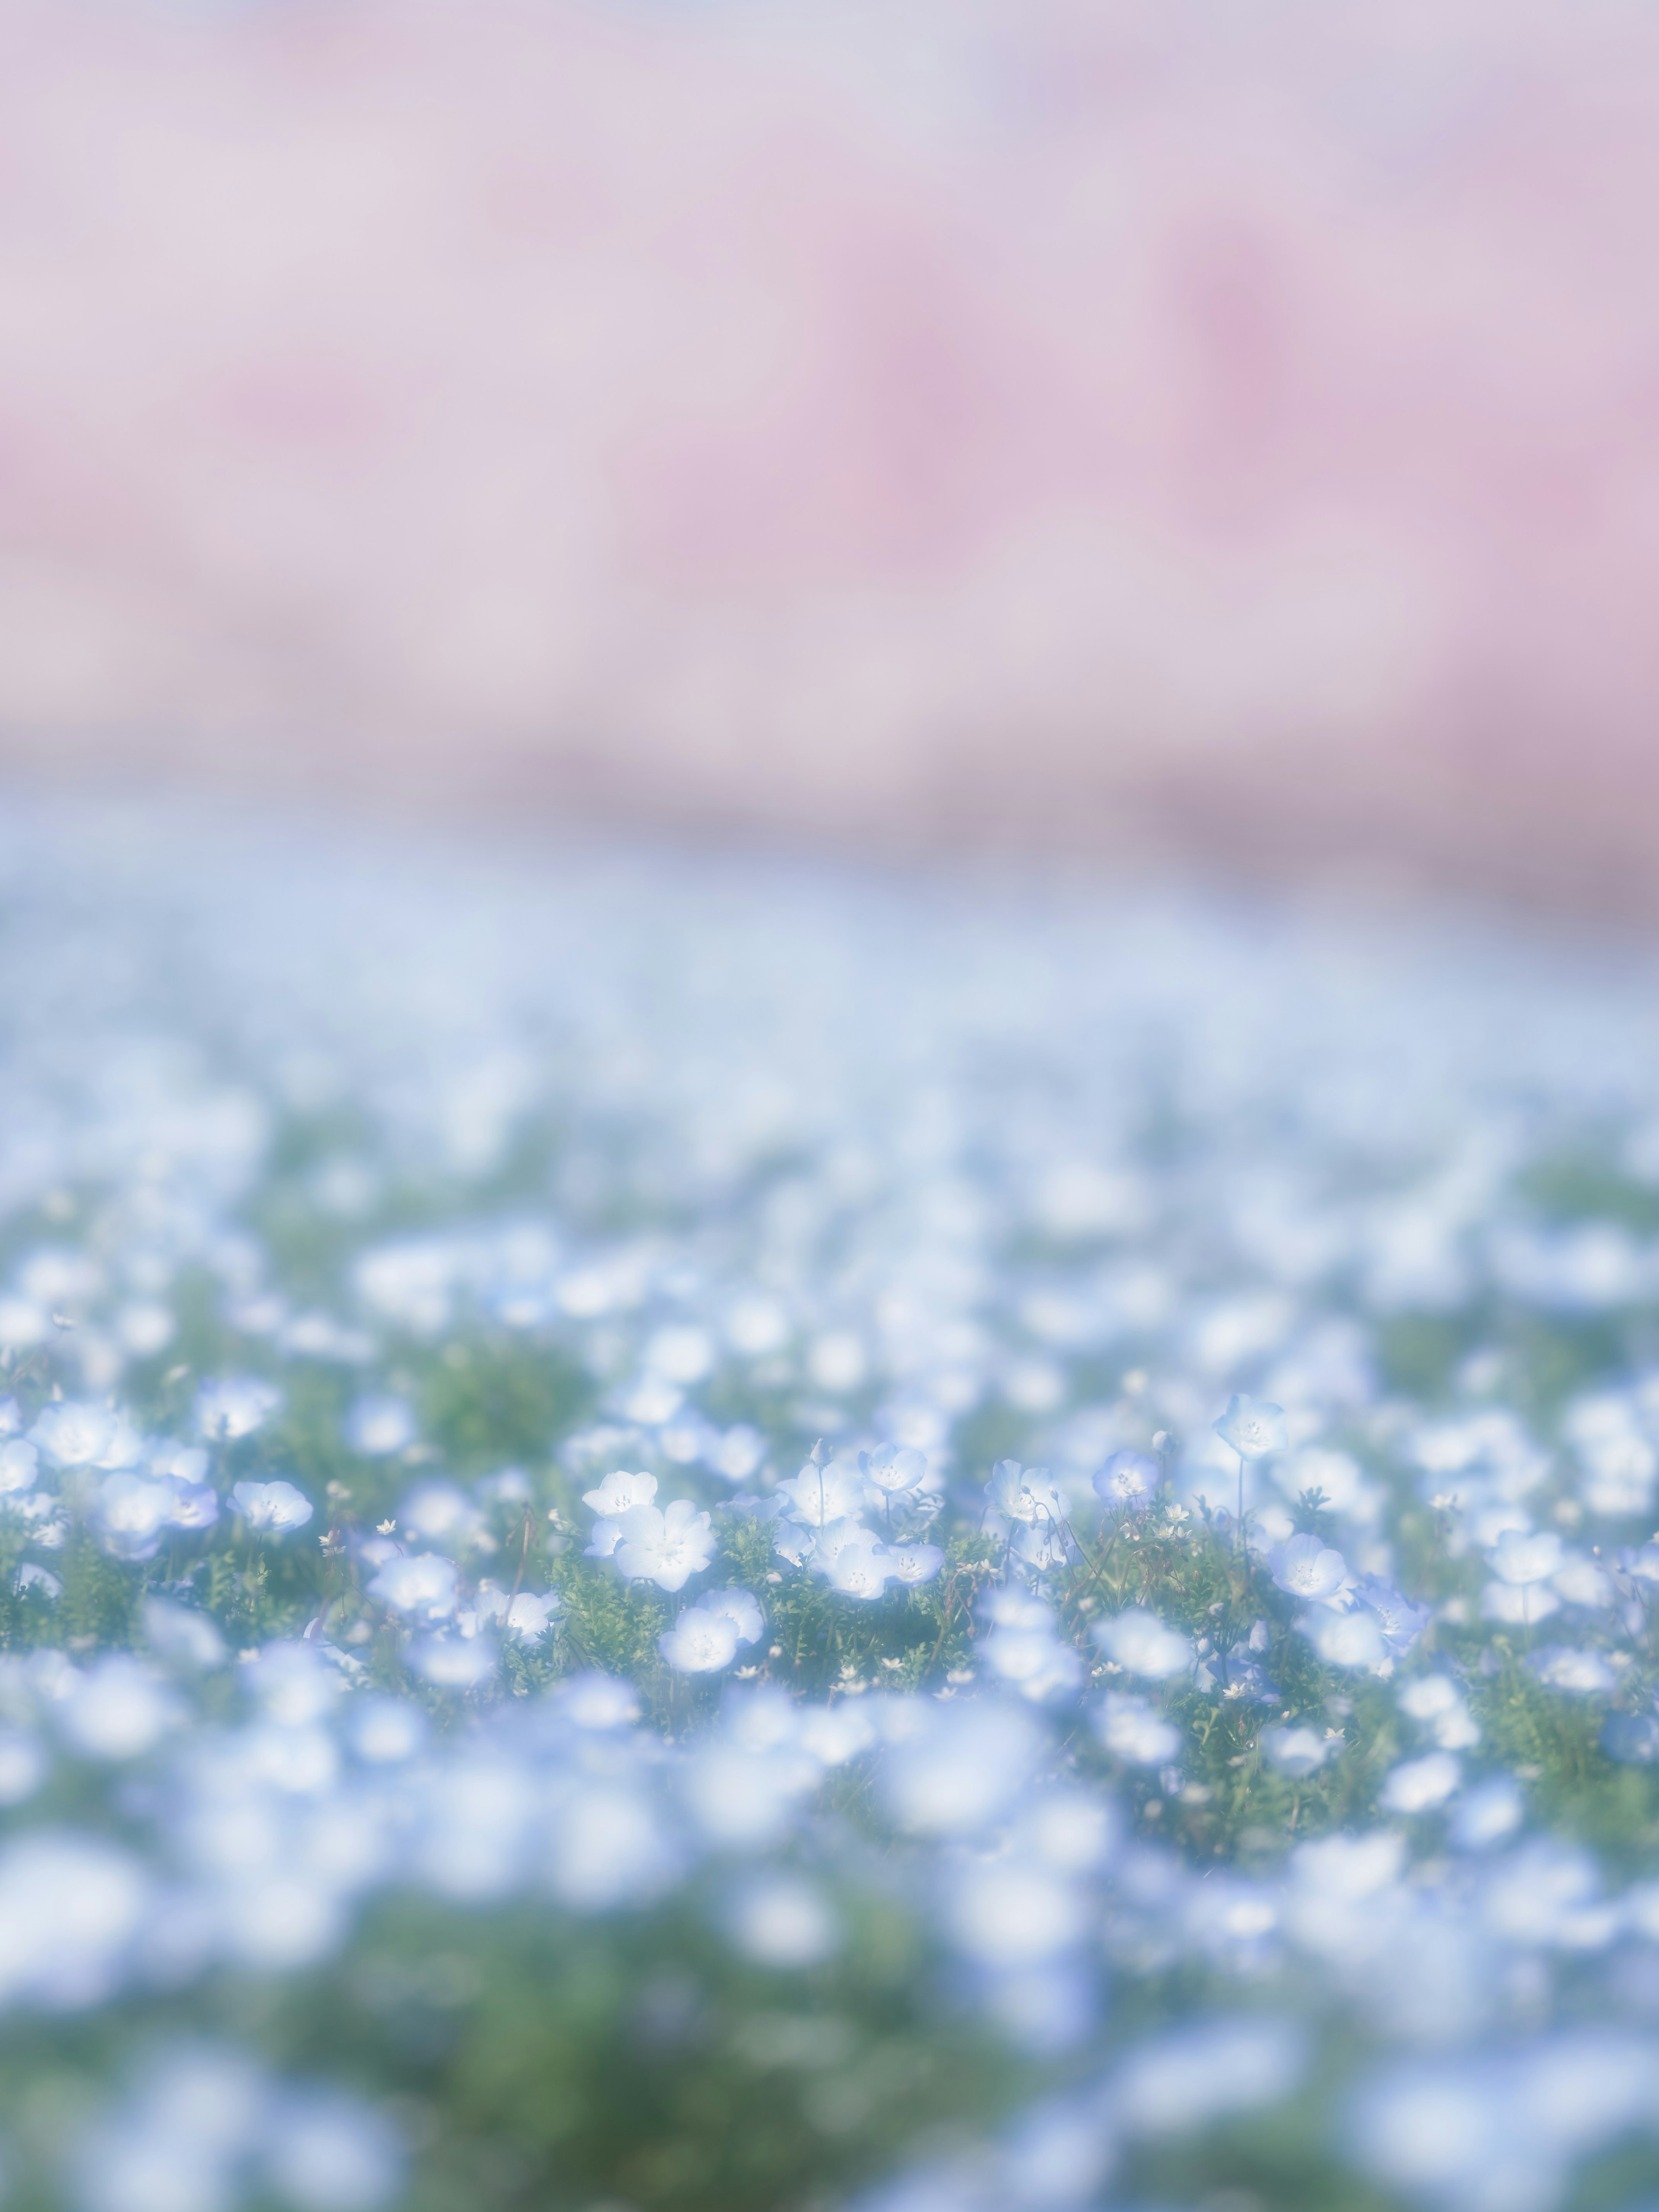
[(1310, 1570), (1129, 1482), (1253, 1428)]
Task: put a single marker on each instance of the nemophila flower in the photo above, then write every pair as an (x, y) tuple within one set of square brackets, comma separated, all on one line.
[(818, 1495), (1132, 1731), (1310, 1570), (379, 1425), (1640, 1561), (782, 1921), (1023, 1651), (1239, 1676), (274, 1509), (453, 1662), (325, 2151), (914, 1564), (441, 1513), (1585, 1674), (794, 1543), (1436, 1702), (1253, 1428), (741, 1608), (1025, 1494), (184, 1637), (72, 1907), (951, 1770), (1401, 1622), (1296, 1753), (118, 1710), (667, 1547), (1042, 1546), (700, 1642), (1631, 1738), (385, 1731), (1518, 1606), (1347, 1639), (1418, 1785), (132, 1514), (24, 1766), (1129, 1482), (20, 1463), (1013, 1911), (195, 1504), (895, 1469), (1521, 1559), (235, 1407), (854, 1560), (597, 1702), (76, 1434), (1139, 1642), (422, 1587), (619, 1493), (1489, 1814), (527, 1615)]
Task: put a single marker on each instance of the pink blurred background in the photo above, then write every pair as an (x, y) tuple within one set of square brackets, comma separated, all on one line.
[(1154, 430)]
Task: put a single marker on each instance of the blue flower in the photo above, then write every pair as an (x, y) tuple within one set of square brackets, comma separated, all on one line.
[(1253, 1428)]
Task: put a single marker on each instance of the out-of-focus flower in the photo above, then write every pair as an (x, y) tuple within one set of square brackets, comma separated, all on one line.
[(422, 1587), (379, 1425), (1418, 1785), (75, 1434), (1520, 1558), (1132, 1732), (1296, 1752), (1345, 1639), (1139, 1642), (234, 1407)]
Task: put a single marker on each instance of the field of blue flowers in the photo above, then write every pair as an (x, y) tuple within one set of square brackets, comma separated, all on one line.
[(684, 1534)]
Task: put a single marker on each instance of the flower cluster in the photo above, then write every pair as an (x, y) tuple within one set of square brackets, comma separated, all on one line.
[(703, 1567)]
